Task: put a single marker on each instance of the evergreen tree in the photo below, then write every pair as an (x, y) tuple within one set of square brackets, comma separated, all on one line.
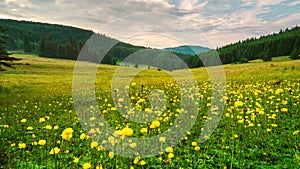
[(5, 59), (295, 54), (27, 46)]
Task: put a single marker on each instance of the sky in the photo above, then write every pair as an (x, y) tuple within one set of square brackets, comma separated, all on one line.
[(163, 23)]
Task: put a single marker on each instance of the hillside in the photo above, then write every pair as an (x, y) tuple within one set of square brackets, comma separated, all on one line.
[(283, 43), (56, 41), (188, 49)]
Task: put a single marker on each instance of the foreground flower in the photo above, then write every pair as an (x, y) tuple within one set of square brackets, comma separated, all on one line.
[(99, 166), (29, 128), (55, 127), (42, 120), (170, 155), (94, 144), (142, 162), (127, 131), (22, 145), (48, 127), (197, 148), (54, 150), (42, 142), (238, 104), (144, 130), (67, 133), (111, 155), (194, 143), (169, 150), (23, 121), (155, 124), (76, 160), (82, 136), (86, 165)]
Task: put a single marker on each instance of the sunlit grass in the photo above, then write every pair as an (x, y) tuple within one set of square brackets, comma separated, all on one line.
[(259, 127)]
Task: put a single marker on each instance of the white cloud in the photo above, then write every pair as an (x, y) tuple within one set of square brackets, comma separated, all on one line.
[(223, 21)]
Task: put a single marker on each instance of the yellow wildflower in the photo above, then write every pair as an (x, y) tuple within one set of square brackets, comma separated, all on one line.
[(54, 150)]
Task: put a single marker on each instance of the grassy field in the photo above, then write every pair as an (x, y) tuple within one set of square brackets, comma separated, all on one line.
[(258, 129)]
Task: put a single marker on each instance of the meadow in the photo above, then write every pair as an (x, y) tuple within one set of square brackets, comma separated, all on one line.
[(259, 127)]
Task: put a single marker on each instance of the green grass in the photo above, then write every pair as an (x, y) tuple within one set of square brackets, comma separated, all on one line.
[(258, 129)]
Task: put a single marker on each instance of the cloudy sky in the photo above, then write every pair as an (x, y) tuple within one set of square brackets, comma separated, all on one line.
[(162, 23)]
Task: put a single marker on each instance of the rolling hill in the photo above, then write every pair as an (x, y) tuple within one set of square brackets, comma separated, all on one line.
[(187, 49)]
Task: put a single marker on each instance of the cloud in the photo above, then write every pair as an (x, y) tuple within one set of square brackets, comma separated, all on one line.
[(222, 21)]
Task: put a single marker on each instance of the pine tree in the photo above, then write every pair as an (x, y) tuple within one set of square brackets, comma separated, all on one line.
[(295, 54), (27, 46), (5, 59)]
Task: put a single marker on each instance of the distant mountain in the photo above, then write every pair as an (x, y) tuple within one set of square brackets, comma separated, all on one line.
[(188, 49)]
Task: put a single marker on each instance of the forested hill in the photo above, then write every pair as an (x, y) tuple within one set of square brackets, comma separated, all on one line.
[(286, 42), (56, 41), (21, 31)]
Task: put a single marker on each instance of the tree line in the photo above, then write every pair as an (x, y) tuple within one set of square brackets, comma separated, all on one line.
[(57, 41), (284, 43)]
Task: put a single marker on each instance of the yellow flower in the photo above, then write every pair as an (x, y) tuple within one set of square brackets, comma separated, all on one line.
[(197, 148), (269, 130), (278, 91), (238, 104), (34, 143), (82, 136), (42, 120), (136, 160), (142, 162), (127, 131), (94, 144), (23, 121), (54, 150), (170, 155), (13, 144), (42, 142), (5, 125), (295, 132), (99, 166), (76, 160), (86, 165), (29, 128), (132, 145), (111, 154), (67, 134), (155, 124), (194, 143), (48, 127), (169, 150), (22, 145), (284, 109), (274, 125), (55, 127), (144, 130), (236, 136), (33, 136), (162, 139)]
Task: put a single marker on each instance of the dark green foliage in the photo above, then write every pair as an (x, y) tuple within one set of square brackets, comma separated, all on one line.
[(295, 54), (243, 60), (265, 56), (5, 59), (27, 46), (296, 51), (265, 47)]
